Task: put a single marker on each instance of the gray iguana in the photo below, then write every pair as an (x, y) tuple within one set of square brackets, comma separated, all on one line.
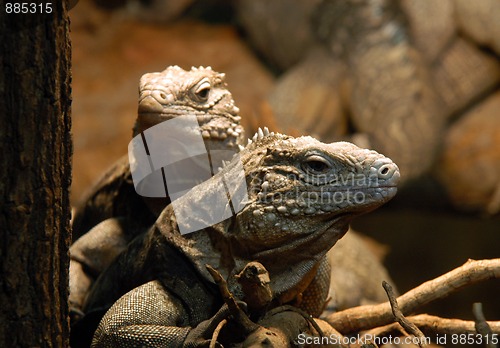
[(113, 213), (301, 196)]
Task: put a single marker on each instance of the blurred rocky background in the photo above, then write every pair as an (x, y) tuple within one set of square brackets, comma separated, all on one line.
[(417, 80)]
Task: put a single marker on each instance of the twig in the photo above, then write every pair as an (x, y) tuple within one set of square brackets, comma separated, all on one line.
[(481, 325), (216, 333), (329, 331), (407, 325), (236, 312), (367, 317), (432, 325)]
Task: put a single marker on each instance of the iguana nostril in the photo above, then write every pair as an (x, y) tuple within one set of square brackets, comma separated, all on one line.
[(162, 97), (386, 171)]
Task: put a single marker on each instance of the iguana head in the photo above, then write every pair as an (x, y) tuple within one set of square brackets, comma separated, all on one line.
[(301, 196), (201, 92), (301, 187)]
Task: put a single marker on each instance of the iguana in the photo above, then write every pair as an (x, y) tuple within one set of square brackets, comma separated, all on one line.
[(164, 95), (390, 75), (298, 196), (113, 212)]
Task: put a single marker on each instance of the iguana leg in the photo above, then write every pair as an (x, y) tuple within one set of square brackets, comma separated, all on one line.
[(149, 316), (93, 252)]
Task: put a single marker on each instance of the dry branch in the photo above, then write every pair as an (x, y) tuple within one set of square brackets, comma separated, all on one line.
[(215, 335), (367, 317), (432, 325), (407, 325), (237, 313)]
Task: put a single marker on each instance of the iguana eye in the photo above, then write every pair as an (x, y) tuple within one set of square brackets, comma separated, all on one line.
[(316, 165), (201, 91)]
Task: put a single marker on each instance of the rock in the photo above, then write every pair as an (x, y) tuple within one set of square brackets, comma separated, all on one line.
[(469, 166), (158, 11), (308, 98), (279, 29), (480, 20)]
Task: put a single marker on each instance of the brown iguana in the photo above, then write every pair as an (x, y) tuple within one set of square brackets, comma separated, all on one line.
[(162, 96), (113, 211), (385, 66), (296, 199), (390, 94)]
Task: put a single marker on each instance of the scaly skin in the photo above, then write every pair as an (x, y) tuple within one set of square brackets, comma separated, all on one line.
[(392, 99), (113, 213), (302, 195)]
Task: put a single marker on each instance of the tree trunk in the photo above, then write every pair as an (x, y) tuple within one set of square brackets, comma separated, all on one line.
[(35, 175)]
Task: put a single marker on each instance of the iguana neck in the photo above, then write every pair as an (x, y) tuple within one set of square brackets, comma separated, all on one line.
[(215, 246)]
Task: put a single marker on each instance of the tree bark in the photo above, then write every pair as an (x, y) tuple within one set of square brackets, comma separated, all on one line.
[(35, 176)]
